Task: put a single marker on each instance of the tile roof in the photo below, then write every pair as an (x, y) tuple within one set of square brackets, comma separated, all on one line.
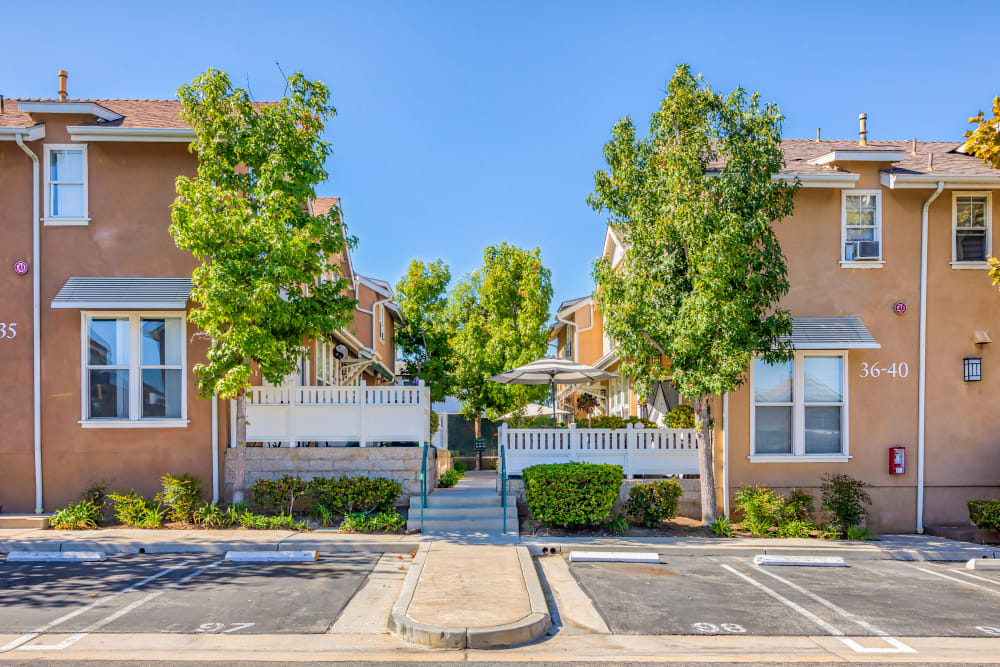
[(322, 205), (570, 302), (135, 113)]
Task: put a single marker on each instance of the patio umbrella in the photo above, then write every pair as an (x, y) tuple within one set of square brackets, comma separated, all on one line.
[(535, 410), (552, 371)]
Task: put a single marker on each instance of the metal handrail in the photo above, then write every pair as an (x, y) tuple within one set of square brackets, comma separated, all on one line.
[(423, 487), (503, 484)]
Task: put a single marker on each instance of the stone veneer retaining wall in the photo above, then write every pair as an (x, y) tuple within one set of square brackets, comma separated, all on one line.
[(396, 463)]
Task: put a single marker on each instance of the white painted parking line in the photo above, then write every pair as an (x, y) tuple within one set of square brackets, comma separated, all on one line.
[(898, 646), (811, 561), (961, 581), (73, 614), (976, 576), (613, 557), (55, 556), (271, 556), (788, 603), (74, 638)]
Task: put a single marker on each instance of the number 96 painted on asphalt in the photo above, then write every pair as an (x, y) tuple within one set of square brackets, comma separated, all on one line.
[(722, 628)]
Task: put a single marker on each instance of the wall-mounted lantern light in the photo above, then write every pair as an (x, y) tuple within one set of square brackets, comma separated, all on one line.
[(973, 369), (981, 337)]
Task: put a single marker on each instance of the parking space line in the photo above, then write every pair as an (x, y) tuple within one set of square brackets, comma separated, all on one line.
[(24, 639), (899, 647), (72, 639), (961, 581), (973, 576), (791, 605)]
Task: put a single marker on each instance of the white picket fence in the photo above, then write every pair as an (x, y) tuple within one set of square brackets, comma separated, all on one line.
[(640, 451), (290, 415)]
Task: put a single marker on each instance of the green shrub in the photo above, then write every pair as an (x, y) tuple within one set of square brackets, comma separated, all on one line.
[(83, 514), (322, 513), (680, 417), (133, 510), (435, 422), (538, 421), (607, 421), (210, 516), (182, 496), (618, 525), (795, 528), (460, 467), (280, 494), (277, 522), (722, 527), (572, 494), (233, 513), (846, 500), (368, 523), (984, 514), (654, 501), (449, 478), (349, 495), (859, 533), (799, 506), (762, 509), (98, 495)]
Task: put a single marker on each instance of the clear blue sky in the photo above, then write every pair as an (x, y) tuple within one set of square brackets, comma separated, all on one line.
[(463, 124)]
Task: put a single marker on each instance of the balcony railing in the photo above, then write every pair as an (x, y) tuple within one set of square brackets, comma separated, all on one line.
[(338, 414), (640, 451)]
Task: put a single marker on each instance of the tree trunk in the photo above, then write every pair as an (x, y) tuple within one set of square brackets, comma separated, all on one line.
[(240, 460), (479, 434), (706, 463)]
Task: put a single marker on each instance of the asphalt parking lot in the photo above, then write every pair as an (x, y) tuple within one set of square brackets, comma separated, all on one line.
[(196, 593), (720, 596)]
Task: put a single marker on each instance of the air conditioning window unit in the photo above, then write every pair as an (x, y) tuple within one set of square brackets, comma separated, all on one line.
[(861, 250)]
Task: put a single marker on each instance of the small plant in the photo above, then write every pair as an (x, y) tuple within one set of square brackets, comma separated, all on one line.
[(280, 494), (799, 506), (390, 521), (233, 513), (846, 499), (859, 533), (133, 510), (721, 527), (984, 514), (828, 532), (449, 479), (587, 403), (98, 495), (210, 516), (322, 513), (762, 509), (680, 417), (618, 525), (460, 467), (795, 528), (83, 514), (182, 496), (607, 421), (654, 501), (571, 494)]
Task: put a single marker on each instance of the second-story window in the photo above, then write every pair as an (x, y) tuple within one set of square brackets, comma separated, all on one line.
[(65, 184), (971, 224), (862, 227), (568, 350), (381, 323)]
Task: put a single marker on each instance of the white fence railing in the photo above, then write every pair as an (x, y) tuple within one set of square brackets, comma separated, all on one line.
[(640, 451), (290, 415)]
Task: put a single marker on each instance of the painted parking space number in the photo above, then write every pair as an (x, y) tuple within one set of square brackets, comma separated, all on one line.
[(989, 630), (222, 628), (895, 369), (8, 329), (722, 628)]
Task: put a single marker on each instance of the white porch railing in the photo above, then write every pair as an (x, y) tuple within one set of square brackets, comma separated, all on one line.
[(639, 451), (291, 415)]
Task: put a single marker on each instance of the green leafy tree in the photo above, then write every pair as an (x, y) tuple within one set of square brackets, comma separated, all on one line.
[(499, 318), (984, 140), (267, 279), (695, 296), (424, 337)]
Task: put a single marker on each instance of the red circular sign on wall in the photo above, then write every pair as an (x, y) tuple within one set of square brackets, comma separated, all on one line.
[(899, 307), (20, 267)]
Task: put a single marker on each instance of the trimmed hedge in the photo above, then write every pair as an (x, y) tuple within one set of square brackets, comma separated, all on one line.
[(572, 494), (655, 501), (351, 495), (984, 514)]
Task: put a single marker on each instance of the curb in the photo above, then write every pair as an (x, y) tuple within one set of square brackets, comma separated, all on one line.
[(521, 631), (181, 547)]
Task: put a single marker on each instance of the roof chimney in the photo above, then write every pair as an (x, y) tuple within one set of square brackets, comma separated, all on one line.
[(62, 85), (914, 145), (863, 130), (817, 135)]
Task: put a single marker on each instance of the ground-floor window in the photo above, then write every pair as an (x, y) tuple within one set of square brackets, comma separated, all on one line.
[(133, 367), (799, 407)]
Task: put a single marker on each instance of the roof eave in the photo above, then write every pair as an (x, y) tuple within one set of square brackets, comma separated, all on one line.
[(33, 133), (807, 180), (90, 108), (144, 134), (930, 181)]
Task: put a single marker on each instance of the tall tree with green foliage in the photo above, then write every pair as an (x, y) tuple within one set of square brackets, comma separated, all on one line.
[(696, 295), (424, 338), (499, 317), (984, 140), (267, 280)]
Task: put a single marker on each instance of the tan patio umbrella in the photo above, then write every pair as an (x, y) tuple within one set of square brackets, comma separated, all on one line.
[(553, 371)]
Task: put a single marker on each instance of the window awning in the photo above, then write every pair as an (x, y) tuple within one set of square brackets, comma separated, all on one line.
[(124, 293), (831, 333)]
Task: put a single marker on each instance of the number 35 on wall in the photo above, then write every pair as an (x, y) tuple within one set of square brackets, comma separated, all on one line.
[(8, 329), (895, 369)]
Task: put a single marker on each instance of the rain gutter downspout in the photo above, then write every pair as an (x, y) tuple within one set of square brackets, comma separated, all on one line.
[(35, 324), (725, 455), (215, 449), (922, 374)]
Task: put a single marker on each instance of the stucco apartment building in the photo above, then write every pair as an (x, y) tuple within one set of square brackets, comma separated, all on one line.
[(893, 311), (96, 352)]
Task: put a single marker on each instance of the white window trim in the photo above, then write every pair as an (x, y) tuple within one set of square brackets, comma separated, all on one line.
[(798, 454), (861, 263), (955, 264), (135, 397), (61, 221)]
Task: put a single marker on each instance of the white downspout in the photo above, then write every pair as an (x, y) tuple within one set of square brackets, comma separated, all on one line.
[(35, 325), (725, 455), (215, 450), (922, 374)]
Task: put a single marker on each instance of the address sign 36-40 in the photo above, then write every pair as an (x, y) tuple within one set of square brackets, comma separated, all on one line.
[(896, 369)]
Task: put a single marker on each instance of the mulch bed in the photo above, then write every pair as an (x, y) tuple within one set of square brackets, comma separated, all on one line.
[(677, 527)]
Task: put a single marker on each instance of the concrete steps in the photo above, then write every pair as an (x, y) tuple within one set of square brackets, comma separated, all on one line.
[(471, 506)]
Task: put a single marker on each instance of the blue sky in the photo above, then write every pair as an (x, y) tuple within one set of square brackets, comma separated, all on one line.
[(469, 123)]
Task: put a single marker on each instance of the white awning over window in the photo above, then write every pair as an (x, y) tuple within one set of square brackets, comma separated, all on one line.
[(831, 333), (124, 293)]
